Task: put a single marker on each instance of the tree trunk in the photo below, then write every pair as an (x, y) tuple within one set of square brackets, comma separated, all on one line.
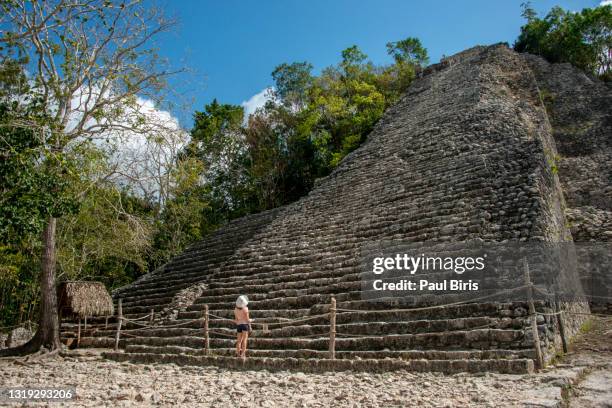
[(48, 334), (48, 329)]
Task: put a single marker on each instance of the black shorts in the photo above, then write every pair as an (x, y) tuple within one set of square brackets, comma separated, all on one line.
[(242, 328)]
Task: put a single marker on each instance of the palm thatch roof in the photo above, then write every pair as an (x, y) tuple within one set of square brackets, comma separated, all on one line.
[(85, 299)]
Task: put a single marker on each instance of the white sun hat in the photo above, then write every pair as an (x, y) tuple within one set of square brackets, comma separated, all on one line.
[(242, 301)]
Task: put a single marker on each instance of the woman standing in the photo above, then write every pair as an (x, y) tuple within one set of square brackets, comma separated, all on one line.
[(243, 325)]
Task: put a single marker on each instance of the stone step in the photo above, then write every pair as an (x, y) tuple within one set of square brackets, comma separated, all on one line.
[(301, 287), (478, 338), (274, 277), (143, 310), (161, 298), (226, 328), (152, 301), (349, 300), (154, 291), (510, 366), (386, 314), (305, 301), (97, 342), (513, 315), (159, 286), (381, 354), (261, 314), (230, 286), (216, 249), (301, 281), (368, 323), (211, 251)]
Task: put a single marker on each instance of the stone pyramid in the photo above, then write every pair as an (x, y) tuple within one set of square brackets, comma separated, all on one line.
[(465, 154)]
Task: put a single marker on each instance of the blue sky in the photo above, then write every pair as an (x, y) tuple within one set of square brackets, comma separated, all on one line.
[(233, 46)]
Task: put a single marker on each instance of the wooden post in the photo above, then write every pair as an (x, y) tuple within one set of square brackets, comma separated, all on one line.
[(85, 328), (106, 323), (206, 338), (532, 314), (151, 318), (119, 321), (332, 329), (561, 323), (79, 333)]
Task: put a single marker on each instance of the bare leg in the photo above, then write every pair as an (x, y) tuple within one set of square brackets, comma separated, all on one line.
[(245, 338), (238, 343)]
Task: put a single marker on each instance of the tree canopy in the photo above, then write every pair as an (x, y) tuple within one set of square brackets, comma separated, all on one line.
[(583, 38), (310, 123)]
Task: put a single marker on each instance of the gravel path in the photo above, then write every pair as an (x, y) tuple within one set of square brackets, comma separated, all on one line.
[(583, 380)]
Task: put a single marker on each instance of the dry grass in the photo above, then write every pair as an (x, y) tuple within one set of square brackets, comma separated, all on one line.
[(86, 298)]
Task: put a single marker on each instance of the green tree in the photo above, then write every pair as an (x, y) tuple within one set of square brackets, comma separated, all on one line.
[(185, 217), (292, 82), (88, 63), (33, 187), (315, 121), (409, 50), (352, 62), (583, 39), (107, 240), (301, 134), (217, 140), (343, 108), (282, 163)]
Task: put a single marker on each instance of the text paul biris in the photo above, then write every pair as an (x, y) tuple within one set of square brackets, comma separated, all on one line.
[(413, 264)]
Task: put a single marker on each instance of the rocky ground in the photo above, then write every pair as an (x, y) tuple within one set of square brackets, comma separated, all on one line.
[(583, 378)]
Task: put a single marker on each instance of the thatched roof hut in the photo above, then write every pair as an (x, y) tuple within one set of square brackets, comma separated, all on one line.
[(84, 299)]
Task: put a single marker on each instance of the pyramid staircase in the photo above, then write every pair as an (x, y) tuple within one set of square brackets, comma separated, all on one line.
[(463, 156), (466, 337)]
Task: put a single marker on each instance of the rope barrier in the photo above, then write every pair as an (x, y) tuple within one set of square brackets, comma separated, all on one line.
[(545, 293), (135, 322), (549, 294), (484, 326), (219, 317), (437, 306), (124, 333), (296, 320), (162, 326), (316, 335), (576, 313), (222, 334), (356, 335), (549, 314), (331, 315), (343, 310), (179, 324), (139, 318)]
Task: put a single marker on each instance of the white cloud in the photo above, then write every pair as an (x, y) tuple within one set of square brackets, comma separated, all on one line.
[(141, 141), (143, 159), (140, 155), (606, 3), (256, 101)]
